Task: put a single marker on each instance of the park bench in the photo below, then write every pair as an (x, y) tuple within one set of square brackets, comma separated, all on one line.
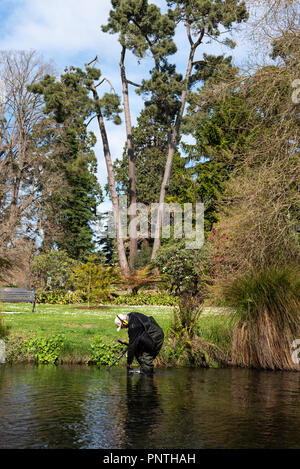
[(17, 295)]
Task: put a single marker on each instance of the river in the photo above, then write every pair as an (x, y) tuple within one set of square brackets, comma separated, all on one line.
[(86, 407)]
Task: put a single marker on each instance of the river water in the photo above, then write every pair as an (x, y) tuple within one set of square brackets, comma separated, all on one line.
[(85, 407)]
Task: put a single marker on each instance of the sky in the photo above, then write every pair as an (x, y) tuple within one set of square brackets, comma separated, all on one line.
[(68, 32)]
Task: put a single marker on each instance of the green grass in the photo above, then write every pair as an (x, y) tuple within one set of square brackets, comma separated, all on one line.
[(217, 329)]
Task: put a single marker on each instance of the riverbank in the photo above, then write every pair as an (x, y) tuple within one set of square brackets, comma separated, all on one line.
[(70, 334)]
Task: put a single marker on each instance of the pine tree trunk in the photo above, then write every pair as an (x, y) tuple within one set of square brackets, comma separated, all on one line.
[(112, 188), (173, 142), (131, 165)]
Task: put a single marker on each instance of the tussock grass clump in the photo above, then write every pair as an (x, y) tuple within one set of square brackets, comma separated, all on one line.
[(268, 308)]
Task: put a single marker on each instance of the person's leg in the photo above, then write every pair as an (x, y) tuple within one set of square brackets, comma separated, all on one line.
[(157, 336), (145, 358), (159, 344), (145, 361)]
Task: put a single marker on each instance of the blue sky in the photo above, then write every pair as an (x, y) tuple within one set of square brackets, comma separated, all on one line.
[(68, 32)]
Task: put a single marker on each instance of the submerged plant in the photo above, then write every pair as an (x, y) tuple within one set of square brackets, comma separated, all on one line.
[(268, 308)]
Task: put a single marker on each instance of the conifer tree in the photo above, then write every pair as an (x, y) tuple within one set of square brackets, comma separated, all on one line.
[(64, 136), (144, 29)]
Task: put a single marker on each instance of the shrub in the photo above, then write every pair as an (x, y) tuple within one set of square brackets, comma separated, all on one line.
[(103, 354), (59, 297), (142, 298), (144, 277), (93, 280), (268, 304), (260, 217), (186, 316), (196, 352), (187, 269), (146, 298), (44, 350)]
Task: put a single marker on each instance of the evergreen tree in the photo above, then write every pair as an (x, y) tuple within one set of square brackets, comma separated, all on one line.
[(65, 136), (151, 143)]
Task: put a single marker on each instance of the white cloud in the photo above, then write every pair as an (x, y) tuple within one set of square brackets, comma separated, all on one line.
[(59, 26)]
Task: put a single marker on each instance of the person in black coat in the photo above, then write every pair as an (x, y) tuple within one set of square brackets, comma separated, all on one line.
[(145, 339)]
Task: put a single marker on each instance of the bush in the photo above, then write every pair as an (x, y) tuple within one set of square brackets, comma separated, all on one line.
[(15, 350), (186, 316), (44, 350), (141, 278), (268, 304), (185, 346), (59, 297), (142, 298), (260, 217), (104, 354), (187, 269), (146, 298), (93, 280)]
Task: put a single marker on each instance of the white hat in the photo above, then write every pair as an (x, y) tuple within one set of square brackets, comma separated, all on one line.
[(120, 320)]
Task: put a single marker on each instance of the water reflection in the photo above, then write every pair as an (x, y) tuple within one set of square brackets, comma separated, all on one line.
[(84, 407), (143, 411)]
